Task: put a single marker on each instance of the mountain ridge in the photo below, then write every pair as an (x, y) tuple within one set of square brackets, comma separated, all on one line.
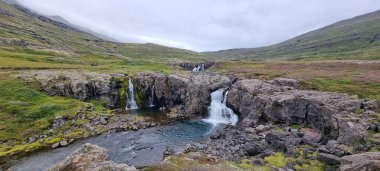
[(360, 32)]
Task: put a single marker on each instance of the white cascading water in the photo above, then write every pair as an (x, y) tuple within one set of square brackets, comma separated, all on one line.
[(202, 67), (131, 103), (151, 97), (219, 113), (199, 68)]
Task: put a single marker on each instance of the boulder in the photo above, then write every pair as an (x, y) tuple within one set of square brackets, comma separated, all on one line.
[(168, 152), (103, 121), (311, 135), (276, 142), (58, 123), (90, 158), (337, 149), (252, 149), (369, 161), (329, 158), (55, 145), (262, 128), (190, 148), (63, 143), (88, 127), (32, 140), (371, 105)]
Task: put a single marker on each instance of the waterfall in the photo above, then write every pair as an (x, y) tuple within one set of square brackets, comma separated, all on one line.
[(219, 113), (196, 69), (131, 103), (202, 67), (151, 97), (199, 68)]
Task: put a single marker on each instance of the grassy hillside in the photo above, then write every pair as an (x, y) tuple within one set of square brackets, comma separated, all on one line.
[(356, 38), (32, 41)]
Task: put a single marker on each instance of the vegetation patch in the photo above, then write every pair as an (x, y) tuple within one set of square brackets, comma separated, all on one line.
[(365, 90)]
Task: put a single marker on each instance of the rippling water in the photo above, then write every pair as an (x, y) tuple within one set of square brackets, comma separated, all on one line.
[(137, 148)]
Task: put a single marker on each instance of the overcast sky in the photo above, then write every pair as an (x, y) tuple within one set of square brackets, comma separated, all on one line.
[(203, 25)]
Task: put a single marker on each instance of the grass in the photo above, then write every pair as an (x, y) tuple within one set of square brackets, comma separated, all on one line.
[(352, 77), (25, 111), (365, 90)]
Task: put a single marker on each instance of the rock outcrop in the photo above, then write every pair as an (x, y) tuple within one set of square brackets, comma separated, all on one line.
[(364, 162), (333, 114), (90, 158), (80, 85), (192, 91)]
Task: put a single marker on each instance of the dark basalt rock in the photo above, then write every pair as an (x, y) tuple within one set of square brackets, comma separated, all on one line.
[(252, 149), (332, 114), (328, 121), (329, 158)]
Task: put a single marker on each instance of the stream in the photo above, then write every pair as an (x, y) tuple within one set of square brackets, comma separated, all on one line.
[(144, 147), (138, 148)]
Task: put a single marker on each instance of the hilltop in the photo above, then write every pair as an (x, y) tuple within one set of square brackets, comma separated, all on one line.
[(30, 40), (355, 38)]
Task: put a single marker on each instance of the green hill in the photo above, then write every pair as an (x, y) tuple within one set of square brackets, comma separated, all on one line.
[(355, 38), (30, 40)]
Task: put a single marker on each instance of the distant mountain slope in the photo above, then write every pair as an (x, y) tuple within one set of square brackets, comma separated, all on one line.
[(22, 29), (98, 35), (355, 38)]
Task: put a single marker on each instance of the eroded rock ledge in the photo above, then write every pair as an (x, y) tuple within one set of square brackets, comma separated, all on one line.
[(279, 101), (270, 112)]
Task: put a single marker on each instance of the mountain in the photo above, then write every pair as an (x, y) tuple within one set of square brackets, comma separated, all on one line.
[(98, 35), (355, 38), (26, 35)]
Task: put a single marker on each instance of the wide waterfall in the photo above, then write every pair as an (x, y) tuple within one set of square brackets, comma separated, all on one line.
[(199, 68), (151, 97), (131, 103), (219, 113)]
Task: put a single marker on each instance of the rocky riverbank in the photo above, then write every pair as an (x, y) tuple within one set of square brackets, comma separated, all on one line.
[(276, 117)]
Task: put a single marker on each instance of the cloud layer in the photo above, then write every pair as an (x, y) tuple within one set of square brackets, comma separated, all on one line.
[(203, 25)]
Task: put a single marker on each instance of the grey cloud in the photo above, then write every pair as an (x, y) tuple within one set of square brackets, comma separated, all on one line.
[(203, 25)]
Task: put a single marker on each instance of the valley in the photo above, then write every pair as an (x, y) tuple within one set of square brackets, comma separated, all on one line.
[(68, 97)]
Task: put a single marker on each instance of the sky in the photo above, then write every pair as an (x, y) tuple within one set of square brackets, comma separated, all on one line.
[(203, 25)]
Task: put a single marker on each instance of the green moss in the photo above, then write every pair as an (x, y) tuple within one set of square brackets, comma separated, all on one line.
[(53, 140), (245, 164), (140, 95), (376, 116), (277, 160), (374, 149), (21, 149), (305, 163), (122, 91), (296, 126)]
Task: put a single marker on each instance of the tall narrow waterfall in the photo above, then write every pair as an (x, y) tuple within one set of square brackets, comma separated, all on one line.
[(131, 103), (151, 97), (218, 110)]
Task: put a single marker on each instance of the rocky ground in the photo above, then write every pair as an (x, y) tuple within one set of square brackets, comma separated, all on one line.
[(279, 121), (90, 157)]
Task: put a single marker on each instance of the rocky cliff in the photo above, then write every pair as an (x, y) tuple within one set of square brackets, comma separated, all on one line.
[(275, 115), (333, 114), (190, 92)]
